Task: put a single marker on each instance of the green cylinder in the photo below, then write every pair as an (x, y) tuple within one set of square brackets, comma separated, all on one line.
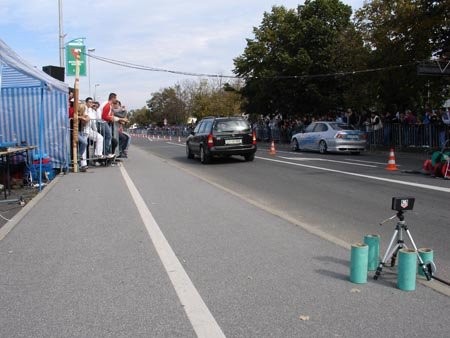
[(427, 256), (373, 241), (407, 267), (358, 263)]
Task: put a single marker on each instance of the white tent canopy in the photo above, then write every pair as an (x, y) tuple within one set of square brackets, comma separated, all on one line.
[(33, 107)]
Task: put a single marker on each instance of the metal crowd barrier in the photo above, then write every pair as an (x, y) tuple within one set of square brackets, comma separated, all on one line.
[(392, 134)]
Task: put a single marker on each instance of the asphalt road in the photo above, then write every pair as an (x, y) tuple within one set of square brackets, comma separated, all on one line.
[(339, 196), (162, 246)]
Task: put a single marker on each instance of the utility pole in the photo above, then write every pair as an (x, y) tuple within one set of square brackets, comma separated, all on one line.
[(61, 35)]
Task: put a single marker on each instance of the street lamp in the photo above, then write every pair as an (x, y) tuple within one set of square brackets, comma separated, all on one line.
[(90, 50), (95, 91)]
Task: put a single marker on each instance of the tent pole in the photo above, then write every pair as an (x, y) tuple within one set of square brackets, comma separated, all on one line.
[(41, 136)]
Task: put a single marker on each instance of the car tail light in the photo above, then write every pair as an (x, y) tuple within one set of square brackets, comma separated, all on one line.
[(339, 135), (210, 141), (363, 136), (254, 138)]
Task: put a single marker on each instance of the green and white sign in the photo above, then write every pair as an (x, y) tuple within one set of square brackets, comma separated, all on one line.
[(75, 49)]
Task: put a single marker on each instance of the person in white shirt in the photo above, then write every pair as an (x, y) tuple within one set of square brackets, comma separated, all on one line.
[(445, 128), (446, 117), (90, 129)]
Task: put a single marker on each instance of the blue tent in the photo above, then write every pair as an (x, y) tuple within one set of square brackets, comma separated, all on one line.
[(33, 108)]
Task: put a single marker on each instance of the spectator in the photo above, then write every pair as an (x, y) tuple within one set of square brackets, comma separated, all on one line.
[(83, 119), (352, 119), (443, 122), (376, 126), (105, 118), (120, 112), (91, 130)]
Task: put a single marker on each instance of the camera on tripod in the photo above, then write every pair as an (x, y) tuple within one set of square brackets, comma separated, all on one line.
[(402, 203)]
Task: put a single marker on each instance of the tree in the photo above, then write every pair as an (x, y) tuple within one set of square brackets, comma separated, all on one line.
[(404, 32), (141, 117), (195, 99), (285, 64), (167, 105)]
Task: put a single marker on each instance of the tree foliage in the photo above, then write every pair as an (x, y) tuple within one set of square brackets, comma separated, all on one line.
[(404, 32), (191, 99), (315, 58), (284, 65)]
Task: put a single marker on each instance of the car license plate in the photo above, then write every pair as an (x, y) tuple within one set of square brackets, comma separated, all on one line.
[(236, 141), (353, 137)]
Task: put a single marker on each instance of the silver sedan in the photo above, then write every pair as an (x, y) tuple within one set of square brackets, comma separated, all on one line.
[(326, 136)]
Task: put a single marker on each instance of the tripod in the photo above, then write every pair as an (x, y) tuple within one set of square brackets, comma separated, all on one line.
[(392, 251)]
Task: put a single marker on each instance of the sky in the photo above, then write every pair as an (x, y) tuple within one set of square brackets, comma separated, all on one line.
[(196, 36)]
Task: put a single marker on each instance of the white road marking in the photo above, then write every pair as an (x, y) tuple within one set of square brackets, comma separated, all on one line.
[(361, 161), (201, 319), (326, 160), (412, 184)]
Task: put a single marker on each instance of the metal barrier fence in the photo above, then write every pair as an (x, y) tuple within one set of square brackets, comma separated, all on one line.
[(419, 135), (392, 134), (175, 131)]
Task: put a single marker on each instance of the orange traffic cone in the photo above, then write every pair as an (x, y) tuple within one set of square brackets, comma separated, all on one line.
[(272, 150), (391, 162)]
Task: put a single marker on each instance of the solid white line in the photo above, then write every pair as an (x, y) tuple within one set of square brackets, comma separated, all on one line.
[(196, 310), (418, 185), (325, 160), (380, 163)]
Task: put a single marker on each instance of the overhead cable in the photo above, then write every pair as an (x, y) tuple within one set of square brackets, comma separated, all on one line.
[(309, 76)]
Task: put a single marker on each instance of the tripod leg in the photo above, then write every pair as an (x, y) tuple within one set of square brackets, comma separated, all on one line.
[(400, 245), (386, 255), (421, 264)]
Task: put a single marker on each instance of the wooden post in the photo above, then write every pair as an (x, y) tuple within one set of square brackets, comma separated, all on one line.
[(76, 54)]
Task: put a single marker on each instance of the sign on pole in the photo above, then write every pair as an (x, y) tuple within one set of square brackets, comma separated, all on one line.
[(75, 48)]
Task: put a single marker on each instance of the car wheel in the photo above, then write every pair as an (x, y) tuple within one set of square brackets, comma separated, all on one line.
[(322, 147), (189, 153), (249, 157), (204, 157), (294, 144)]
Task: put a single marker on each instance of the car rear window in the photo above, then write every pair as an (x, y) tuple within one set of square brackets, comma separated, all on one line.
[(341, 126), (223, 126)]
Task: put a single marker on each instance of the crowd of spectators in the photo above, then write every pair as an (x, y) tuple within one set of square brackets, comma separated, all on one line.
[(101, 125), (429, 128)]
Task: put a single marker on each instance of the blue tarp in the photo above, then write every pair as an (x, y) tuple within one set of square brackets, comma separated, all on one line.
[(33, 108)]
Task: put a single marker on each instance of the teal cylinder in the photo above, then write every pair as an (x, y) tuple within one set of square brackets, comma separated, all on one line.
[(358, 263), (373, 241), (427, 256), (407, 267)]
